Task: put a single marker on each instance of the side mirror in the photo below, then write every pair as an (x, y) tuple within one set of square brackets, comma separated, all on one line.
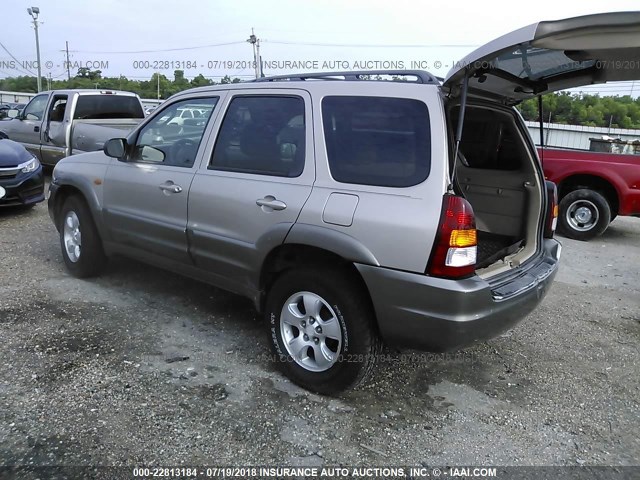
[(115, 148), (13, 113)]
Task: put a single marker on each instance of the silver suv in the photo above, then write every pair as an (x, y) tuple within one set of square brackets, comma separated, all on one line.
[(352, 210)]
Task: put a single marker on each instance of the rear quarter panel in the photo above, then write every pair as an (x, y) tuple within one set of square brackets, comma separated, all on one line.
[(396, 225), (91, 135), (621, 171)]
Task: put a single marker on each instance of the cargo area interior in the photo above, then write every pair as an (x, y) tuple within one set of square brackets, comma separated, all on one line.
[(495, 172)]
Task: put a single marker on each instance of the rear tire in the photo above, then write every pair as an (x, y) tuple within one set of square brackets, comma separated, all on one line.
[(321, 329), (79, 239), (584, 214)]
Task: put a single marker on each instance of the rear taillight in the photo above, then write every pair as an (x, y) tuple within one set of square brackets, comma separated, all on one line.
[(552, 209), (455, 251)]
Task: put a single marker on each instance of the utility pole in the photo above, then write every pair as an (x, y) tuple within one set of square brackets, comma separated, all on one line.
[(255, 43), (34, 12), (68, 62), (259, 60)]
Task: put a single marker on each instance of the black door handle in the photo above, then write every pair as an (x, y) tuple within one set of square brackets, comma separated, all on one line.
[(36, 128)]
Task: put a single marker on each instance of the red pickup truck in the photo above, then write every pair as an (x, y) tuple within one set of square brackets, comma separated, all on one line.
[(593, 188)]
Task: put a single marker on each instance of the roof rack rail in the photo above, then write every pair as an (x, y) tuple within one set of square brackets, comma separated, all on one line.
[(361, 75)]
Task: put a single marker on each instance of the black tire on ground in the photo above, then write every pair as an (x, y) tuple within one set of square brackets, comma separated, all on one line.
[(91, 259), (584, 214), (344, 303)]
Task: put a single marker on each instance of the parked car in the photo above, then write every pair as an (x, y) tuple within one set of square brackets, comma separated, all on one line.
[(353, 211), (188, 114), (21, 177), (593, 187), (60, 123), (18, 106), (149, 109), (4, 109)]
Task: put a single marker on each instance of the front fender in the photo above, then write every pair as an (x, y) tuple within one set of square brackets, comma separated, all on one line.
[(84, 178)]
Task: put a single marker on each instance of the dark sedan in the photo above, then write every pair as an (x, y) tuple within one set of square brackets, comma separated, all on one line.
[(21, 176)]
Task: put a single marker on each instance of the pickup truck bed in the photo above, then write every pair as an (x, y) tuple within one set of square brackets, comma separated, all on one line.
[(90, 135)]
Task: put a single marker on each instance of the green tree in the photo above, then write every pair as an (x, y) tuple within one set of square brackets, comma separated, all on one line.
[(201, 81), (591, 110)]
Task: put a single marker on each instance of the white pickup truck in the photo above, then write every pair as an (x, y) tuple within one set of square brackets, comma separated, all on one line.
[(60, 123)]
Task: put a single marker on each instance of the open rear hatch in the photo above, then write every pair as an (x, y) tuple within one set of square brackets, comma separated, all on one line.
[(550, 56), (496, 167)]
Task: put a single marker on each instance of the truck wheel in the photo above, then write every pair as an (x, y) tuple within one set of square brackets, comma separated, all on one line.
[(81, 244), (321, 329), (584, 214)]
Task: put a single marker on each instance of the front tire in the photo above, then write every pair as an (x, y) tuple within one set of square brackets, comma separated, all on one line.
[(321, 329), (81, 244), (584, 214)]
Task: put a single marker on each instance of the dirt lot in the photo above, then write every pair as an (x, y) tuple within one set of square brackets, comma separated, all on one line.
[(141, 366)]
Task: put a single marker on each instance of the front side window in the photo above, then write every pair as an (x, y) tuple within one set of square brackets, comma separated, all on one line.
[(376, 140), (35, 109), (167, 143), (262, 135)]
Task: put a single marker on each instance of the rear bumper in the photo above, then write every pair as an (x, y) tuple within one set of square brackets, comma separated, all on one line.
[(420, 312), (23, 189)]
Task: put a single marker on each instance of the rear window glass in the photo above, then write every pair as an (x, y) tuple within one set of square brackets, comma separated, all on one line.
[(95, 107), (377, 140), (536, 63)]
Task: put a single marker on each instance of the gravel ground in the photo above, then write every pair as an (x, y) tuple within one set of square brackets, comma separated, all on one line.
[(140, 366)]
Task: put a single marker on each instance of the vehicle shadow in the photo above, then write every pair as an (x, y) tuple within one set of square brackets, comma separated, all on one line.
[(16, 211), (211, 308), (178, 291)]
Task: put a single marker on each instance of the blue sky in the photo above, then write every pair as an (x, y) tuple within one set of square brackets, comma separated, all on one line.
[(373, 33)]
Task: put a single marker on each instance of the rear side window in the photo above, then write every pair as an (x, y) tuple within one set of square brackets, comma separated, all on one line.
[(377, 140), (262, 135), (95, 107)]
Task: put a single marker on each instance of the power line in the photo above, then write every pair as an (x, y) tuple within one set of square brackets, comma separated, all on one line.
[(26, 70), (162, 50), (139, 77), (367, 45)]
